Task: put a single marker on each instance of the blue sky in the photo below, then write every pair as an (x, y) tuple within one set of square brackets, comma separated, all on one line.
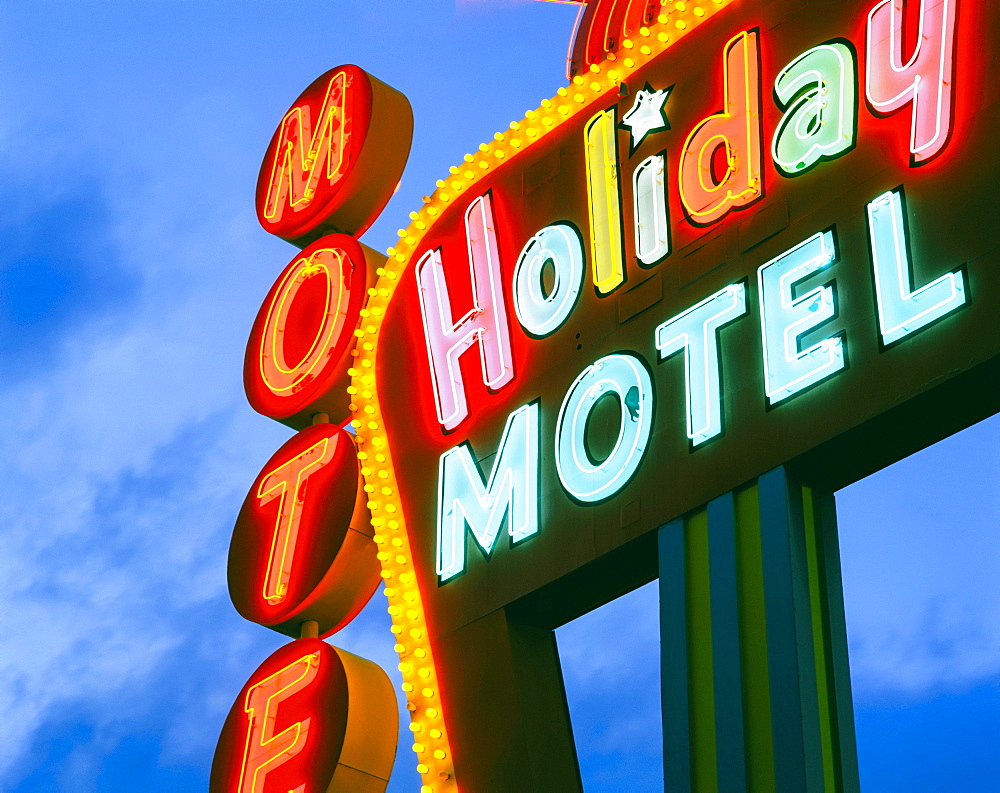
[(131, 266)]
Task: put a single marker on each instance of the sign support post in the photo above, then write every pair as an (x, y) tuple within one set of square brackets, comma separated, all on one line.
[(511, 702), (755, 679)]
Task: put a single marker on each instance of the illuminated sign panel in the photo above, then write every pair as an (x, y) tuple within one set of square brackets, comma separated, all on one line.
[(303, 560), (798, 247), (744, 258), (762, 245)]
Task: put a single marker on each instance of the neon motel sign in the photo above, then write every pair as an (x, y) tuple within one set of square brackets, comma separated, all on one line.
[(643, 333)]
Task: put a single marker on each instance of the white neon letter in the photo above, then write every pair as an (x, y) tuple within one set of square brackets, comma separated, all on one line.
[(485, 323), (625, 376), (695, 333), (818, 94), (541, 314), (926, 80), (785, 318), (652, 224), (511, 492), (901, 309)]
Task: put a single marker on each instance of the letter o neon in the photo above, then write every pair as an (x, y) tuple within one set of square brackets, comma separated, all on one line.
[(538, 313), (626, 376), (297, 354)]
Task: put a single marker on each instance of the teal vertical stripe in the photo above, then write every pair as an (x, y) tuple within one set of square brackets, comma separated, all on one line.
[(673, 660), (730, 750), (798, 755), (782, 658), (802, 612)]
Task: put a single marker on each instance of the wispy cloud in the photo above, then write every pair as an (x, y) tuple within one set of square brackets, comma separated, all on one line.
[(128, 446), (920, 556)]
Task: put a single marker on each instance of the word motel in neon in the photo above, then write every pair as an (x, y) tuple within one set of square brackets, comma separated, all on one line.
[(469, 500)]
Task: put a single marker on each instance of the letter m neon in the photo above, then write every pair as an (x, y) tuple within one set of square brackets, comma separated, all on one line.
[(465, 500), (304, 146)]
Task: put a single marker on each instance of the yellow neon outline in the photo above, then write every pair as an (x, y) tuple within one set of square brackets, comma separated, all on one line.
[(283, 168), (730, 200), (289, 527), (604, 207), (582, 95), (274, 324), (267, 722)]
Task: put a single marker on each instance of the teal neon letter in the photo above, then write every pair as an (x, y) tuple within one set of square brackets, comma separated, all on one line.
[(512, 492), (625, 376), (818, 92), (695, 332), (902, 310), (785, 318)]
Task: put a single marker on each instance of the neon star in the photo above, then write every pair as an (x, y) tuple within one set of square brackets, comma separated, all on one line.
[(647, 115)]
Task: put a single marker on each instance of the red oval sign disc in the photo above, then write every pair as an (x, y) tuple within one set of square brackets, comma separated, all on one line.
[(310, 718), (295, 364), (336, 157), (301, 550)]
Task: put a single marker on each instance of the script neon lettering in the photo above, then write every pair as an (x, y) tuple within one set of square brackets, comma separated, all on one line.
[(264, 750), (926, 80), (652, 224), (485, 323), (707, 196), (560, 247), (303, 148), (818, 93), (275, 485)]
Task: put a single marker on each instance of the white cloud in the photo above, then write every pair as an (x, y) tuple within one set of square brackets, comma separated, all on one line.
[(128, 454), (920, 557)]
